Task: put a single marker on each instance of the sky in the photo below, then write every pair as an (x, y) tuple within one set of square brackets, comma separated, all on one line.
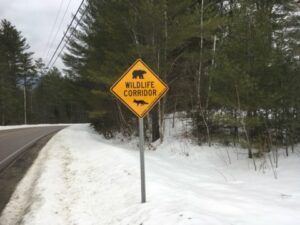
[(36, 21)]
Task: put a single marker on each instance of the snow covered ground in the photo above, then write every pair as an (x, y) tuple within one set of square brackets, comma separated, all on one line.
[(80, 178)]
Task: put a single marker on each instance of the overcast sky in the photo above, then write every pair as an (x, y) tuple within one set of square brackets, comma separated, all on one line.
[(36, 18)]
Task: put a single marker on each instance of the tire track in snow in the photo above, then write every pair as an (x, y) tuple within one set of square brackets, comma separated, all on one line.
[(69, 198)]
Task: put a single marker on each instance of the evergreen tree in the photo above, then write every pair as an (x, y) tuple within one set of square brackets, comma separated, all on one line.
[(251, 67), (58, 99), (15, 62), (235, 63)]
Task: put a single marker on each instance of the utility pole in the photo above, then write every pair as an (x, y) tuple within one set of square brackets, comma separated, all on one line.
[(25, 104)]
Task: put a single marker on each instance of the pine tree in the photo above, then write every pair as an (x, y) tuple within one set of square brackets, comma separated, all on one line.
[(15, 61), (251, 67), (57, 99)]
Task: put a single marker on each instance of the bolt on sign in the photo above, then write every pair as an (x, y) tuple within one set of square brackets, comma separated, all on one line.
[(139, 88)]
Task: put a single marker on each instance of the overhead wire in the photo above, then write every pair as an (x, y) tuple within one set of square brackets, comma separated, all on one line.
[(69, 37), (59, 27), (62, 39), (52, 30)]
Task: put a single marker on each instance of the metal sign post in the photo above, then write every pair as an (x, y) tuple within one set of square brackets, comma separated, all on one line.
[(142, 161)]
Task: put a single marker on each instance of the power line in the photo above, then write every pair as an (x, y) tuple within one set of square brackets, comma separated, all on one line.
[(59, 27), (70, 25), (73, 30), (52, 29)]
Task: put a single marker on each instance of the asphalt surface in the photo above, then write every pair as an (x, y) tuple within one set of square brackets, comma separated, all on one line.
[(15, 142)]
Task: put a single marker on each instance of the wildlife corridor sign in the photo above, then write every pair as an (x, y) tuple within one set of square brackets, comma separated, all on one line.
[(139, 88)]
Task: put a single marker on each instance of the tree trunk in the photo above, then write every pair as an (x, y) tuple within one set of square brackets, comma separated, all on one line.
[(2, 117), (286, 143), (175, 109), (162, 102), (250, 155), (160, 121), (198, 88), (155, 125)]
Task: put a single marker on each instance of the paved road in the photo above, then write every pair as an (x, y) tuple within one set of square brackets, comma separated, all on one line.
[(14, 142)]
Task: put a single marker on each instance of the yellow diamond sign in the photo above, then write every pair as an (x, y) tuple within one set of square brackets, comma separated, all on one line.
[(139, 88)]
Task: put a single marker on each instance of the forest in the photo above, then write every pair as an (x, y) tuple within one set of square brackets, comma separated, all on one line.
[(232, 66)]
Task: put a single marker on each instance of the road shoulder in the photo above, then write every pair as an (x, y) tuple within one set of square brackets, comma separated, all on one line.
[(11, 176)]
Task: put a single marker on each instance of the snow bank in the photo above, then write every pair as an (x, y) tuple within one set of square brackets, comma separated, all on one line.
[(80, 178)]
